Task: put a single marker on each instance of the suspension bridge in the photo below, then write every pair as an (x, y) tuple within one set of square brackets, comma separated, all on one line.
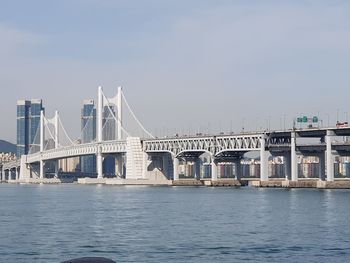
[(140, 156)]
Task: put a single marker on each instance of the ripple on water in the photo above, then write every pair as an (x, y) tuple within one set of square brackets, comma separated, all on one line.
[(156, 224)]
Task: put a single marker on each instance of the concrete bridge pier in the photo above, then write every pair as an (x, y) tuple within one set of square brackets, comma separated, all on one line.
[(329, 156), (99, 164), (264, 155), (25, 170), (9, 177), (17, 173), (214, 169), (175, 168), (42, 169), (293, 158)]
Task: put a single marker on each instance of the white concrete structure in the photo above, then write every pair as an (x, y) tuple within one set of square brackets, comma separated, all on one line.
[(135, 152)]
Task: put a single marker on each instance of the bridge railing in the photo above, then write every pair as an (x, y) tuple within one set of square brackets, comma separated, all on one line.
[(78, 150), (113, 146), (212, 144), (11, 164)]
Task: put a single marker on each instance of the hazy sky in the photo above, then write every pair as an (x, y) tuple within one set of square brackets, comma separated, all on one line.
[(183, 64)]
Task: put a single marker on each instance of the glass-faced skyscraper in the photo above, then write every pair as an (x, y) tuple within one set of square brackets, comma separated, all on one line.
[(88, 134), (88, 129), (28, 124), (109, 124), (23, 107), (34, 132)]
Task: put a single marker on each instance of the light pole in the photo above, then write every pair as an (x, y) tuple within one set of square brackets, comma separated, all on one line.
[(337, 115)]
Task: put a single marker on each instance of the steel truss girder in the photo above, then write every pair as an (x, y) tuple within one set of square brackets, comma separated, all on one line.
[(214, 145)]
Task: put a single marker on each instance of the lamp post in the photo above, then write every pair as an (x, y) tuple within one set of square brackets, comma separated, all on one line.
[(337, 115)]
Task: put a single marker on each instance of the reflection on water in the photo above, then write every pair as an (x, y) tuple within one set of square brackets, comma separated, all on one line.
[(52, 223)]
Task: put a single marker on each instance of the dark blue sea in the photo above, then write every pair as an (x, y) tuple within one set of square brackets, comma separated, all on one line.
[(53, 223)]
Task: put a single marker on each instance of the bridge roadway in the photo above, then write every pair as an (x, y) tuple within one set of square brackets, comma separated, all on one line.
[(218, 147)]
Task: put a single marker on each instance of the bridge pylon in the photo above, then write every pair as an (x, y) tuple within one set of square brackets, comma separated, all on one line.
[(99, 158)]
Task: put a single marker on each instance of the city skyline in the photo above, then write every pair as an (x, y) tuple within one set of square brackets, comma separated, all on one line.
[(197, 63)]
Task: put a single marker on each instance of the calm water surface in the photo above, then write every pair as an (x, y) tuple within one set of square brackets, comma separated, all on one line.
[(52, 223)]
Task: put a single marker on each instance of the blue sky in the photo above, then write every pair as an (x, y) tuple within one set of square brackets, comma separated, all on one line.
[(183, 64)]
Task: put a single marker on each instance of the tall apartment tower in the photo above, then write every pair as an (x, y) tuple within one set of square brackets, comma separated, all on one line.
[(109, 124), (88, 129), (28, 123)]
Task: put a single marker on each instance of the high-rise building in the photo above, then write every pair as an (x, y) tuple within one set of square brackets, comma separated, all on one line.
[(109, 124), (88, 130), (35, 108), (28, 124)]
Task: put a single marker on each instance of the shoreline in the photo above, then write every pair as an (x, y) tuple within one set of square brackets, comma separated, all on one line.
[(272, 183)]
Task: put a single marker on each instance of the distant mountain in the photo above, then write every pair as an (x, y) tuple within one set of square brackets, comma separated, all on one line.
[(7, 147)]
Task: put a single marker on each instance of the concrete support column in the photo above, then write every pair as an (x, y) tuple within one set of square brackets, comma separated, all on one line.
[(214, 169), (329, 156), (293, 156), (9, 177), (322, 166), (119, 165), (197, 169), (99, 164), (176, 169), (42, 169), (17, 173), (287, 166), (263, 160), (238, 169)]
